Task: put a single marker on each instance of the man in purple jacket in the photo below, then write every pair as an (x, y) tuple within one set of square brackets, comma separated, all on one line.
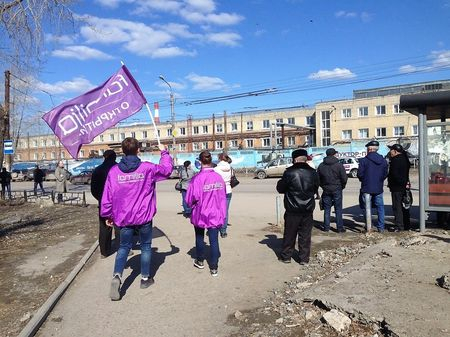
[(206, 196), (129, 202)]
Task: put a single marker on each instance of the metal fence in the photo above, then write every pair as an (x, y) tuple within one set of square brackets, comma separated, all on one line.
[(68, 198)]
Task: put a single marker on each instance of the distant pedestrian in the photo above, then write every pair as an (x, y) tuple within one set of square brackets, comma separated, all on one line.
[(38, 178), (98, 181), (224, 169), (299, 184), (186, 175), (332, 178), (206, 196), (129, 202), (398, 181), (61, 175), (372, 172), (5, 179)]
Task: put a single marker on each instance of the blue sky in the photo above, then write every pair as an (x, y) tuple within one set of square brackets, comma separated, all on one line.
[(304, 51)]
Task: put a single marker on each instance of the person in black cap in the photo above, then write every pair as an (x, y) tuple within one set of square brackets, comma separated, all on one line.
[(398, 181), (332, 178), (299, 184), (99, 176), (372, 172)]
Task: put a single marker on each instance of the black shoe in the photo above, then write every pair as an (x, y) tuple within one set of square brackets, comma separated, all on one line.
[(147, 283), (323, 229), (214, 272), (285, 260), (198, 264), (304, 263), (223, 235), (114, 292), (341, 230)]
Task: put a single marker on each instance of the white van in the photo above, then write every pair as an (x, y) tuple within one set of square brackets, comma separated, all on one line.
[(351, 165)]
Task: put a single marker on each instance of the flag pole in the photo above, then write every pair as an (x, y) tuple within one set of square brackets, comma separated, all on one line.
[(151, 117)]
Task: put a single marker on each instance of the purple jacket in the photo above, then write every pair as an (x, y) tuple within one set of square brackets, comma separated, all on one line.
[(129, 198), (206, 196)]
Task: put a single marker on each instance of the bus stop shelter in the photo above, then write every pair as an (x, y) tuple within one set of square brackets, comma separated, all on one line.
[(433, 110)]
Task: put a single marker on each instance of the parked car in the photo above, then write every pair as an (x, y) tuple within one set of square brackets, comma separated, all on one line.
[(351, 165), (274, 168), (84, 177)]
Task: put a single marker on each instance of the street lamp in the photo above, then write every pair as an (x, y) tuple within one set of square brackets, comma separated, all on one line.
[(172, 115)]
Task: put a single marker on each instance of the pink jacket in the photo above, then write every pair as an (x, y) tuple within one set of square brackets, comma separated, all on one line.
[(129, 198), (206, 196)]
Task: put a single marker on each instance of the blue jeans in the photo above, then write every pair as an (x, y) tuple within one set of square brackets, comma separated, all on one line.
[(223, 229), (186, 208), (213, 234), (379, 205), (328, 200), (126, 243)]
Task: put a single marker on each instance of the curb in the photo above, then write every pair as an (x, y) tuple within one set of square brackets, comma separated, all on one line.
[(41, 314)]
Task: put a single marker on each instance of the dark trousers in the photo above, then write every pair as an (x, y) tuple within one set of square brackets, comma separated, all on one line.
[(297, 224), (200, 246), (402, 219), (36, 183), (329, 199), (105, 236)]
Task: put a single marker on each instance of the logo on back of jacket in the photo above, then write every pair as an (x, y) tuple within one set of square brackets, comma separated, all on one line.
[(212, 187), (130, 178)]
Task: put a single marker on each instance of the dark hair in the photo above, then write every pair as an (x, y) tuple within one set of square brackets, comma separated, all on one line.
[(187, 163), (109, 154), (223, 156), (205, 157), (130, 146)]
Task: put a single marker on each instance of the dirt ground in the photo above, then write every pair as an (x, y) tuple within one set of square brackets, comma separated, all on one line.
[(28, 279)]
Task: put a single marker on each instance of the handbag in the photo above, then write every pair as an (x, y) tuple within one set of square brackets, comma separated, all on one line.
[(407, 199), (233, 180), (178, 185)]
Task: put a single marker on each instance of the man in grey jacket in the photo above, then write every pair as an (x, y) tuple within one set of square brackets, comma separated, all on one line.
[(332, 178)]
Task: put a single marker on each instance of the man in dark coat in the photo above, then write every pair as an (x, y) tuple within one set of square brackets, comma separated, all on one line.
[(38, 178), (5, 180), (99, 176), (372, 172), (398, 179), (299, 184), (332, 179)]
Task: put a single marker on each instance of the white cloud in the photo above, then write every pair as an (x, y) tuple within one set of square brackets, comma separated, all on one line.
[(76, 85), (62, 39), (109, 3), (407, 69), (227, 39), (439, 60), (206, 83), (143, 7), (220, 19), (345, 14), (260, 32), (171, 52), (364, 16), (81, 53), (205, 6), (336, 73)]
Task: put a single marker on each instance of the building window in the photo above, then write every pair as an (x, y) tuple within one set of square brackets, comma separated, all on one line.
[(279, 121), (53, 155), (101, 138), (233, 126), (196, 146), (415, 130), (363, 133), (18, 157), (291, 120), (266, 142), (145, 135), (396, 109), (101, 152), (205, 128), (183, 147), (63, 155), (44, 155), (380, 110), (249, 143), (310, 120), (326, 135), (169, 132), (35, 156), (196, 130), (381, 132), (133, 134), (363, 111), (82, 153), (204, 145), (111, 137), (346, 134), (219, 144), (249, 125), (35, 143), (43, 143), (219, 128), (53, 142), (122, 136), (279, 141), (346, 113), (309, 140), (183, 131), (399, 131), (266, 124), (291, 140), (234, 143)]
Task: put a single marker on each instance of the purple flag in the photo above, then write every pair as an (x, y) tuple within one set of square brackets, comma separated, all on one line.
[(80, 120)]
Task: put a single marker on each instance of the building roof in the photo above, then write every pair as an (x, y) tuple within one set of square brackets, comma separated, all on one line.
[(436, 105)]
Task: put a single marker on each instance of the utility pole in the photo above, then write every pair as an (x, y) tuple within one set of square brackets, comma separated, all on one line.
[(242, 128), (214, 132), (225, 130), (5, 122), (172, 118)]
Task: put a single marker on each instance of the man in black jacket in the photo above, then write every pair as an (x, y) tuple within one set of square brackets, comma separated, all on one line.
[(299, 184), (332, 179), (99, 176), (38, 177), (398, 179)]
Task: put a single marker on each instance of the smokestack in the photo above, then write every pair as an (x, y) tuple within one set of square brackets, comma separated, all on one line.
[(156, 108)]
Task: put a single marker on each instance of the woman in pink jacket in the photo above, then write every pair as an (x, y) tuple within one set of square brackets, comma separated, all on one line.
[(206, 196)]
